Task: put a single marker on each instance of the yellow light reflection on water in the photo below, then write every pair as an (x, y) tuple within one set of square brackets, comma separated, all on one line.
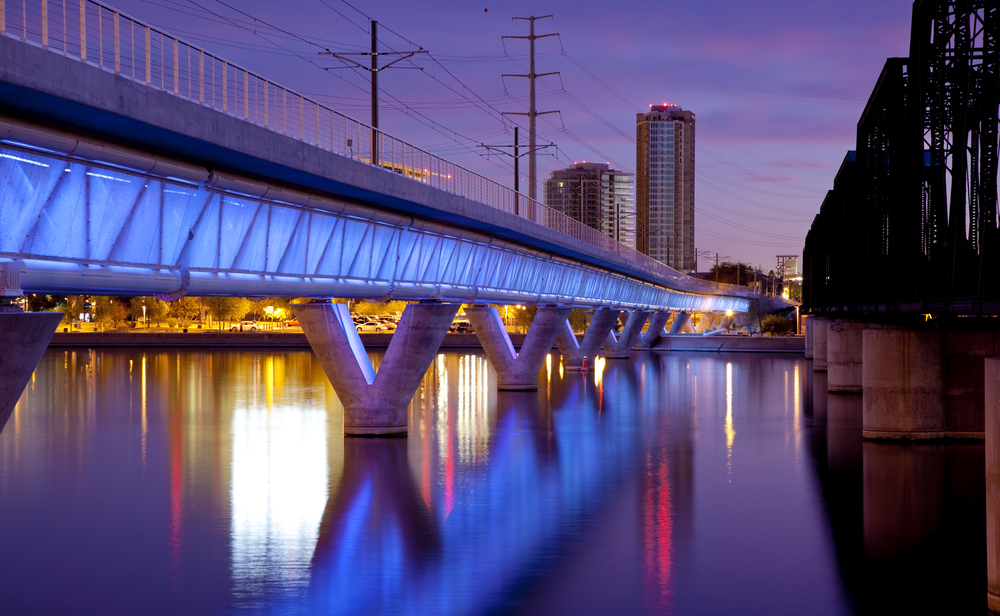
[(730, 432), (144, 423), (279, 490), (599, 363)]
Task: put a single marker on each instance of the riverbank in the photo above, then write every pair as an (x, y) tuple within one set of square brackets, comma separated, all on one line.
[(676, 342)]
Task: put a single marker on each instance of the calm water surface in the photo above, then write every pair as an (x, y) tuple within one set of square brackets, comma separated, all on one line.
[(180, 482)]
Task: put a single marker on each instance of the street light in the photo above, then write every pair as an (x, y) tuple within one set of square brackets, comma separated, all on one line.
[(144, 316)]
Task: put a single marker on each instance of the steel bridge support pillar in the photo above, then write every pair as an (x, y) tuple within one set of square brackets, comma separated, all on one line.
[(682, 324), (375, 403), (24, 336), (843, 353), (820, 329), (517, 371), (646, 341), (620, 347), (574, 352), (992, 397)]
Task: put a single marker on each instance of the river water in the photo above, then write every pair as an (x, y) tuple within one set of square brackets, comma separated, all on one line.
[(192, 482)]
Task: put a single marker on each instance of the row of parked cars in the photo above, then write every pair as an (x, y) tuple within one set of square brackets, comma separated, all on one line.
[(375, 324)]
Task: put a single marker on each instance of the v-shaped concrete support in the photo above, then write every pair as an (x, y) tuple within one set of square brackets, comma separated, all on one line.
[(517, 370), (375, 403), (573, 352), (682, 324), (656, 322), (620, 347), (706, 323), (24, 336)]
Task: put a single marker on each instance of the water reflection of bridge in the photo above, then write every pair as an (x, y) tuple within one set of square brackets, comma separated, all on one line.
[(489, 489)]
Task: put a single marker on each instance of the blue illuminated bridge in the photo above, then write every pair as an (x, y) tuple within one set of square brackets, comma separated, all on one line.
[(133, 163)]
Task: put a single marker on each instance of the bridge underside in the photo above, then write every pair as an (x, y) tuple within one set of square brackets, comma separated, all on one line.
[(80, 227)]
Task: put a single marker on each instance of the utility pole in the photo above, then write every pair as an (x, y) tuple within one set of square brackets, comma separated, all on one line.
[(532, 112), (374, 70), (517, 167)]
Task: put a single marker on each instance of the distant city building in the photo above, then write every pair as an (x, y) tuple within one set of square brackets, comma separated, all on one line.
[(788, 266), (597, 196), (665, 186)]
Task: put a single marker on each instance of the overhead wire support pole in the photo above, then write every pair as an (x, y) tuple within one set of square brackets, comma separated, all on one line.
[(517, 157), (532, 113), (374, 69)]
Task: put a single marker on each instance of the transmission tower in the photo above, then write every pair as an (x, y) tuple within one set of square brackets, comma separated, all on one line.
[(532, 113)]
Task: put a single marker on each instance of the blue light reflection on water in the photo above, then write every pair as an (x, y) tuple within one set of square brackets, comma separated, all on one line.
[(196, 482)]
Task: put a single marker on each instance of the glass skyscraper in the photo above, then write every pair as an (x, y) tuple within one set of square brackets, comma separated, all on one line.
[(665, 186), (597, 196)]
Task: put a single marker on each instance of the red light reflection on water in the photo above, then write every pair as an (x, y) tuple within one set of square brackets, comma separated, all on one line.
[(657, 530)]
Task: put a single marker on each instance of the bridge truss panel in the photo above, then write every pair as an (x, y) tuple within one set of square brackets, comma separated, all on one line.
[(128, 233)]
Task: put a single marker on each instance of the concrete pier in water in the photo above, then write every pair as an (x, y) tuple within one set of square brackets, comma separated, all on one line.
[(844, 356), (574, 351), (656, 323), (620, 347), (24, 336), (517, 370), (375, 403)]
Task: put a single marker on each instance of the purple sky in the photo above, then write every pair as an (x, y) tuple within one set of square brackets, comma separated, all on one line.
[(777, 86)]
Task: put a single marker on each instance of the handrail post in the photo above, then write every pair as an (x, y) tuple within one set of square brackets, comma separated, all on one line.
[(148, 80), (3, 17), (118, 66), (83, 30), (45, 23), (175, 64), (201, 77)]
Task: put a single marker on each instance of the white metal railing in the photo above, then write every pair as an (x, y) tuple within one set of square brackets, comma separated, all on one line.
[(100, 36)]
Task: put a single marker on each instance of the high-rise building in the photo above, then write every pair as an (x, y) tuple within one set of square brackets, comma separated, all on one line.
[(665, 186), (597, 196)]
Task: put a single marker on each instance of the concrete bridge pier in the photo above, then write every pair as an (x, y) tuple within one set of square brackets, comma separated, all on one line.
[(706, 323), (573, 351), (726, 322), (819, 331), (926, 382), (808, 322), (24, 336), (375, 404), (844, 357), (517, 370), (620, 347), (646, 341), (682, 324), (992, 398), (902, 380)]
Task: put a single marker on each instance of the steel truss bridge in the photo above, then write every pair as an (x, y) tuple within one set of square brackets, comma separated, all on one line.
[(179, 210), (911, 222)]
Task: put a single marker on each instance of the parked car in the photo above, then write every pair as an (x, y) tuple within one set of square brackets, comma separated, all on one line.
[(369, 326), (461, 327), (244, 326), (292, 323)]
